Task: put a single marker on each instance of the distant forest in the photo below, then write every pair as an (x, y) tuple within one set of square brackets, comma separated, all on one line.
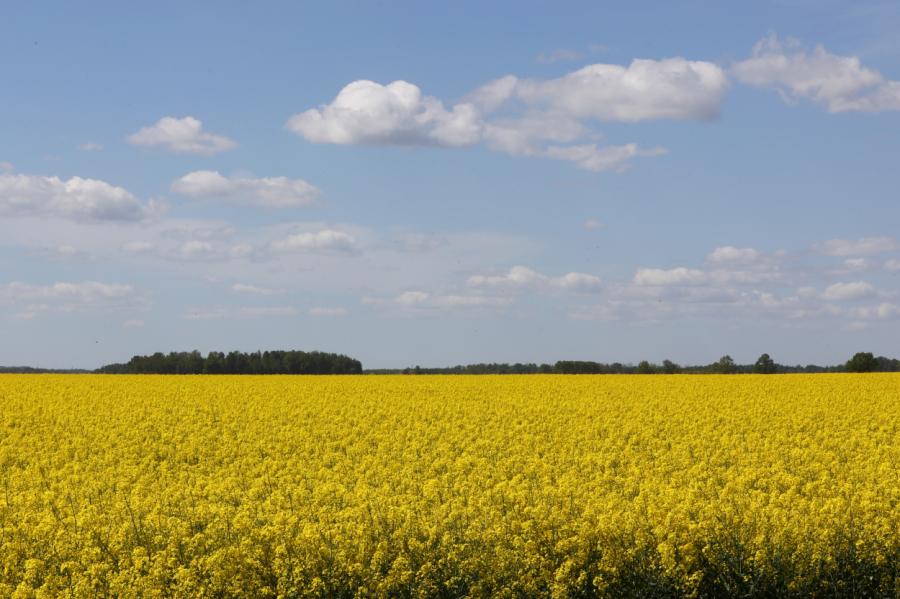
[(235, 362), (860, 362), (301, 362)]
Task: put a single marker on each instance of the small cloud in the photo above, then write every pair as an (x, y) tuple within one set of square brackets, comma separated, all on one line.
[(183, 136), (732, 255), (271, 192), (90, 146), (7, 167), (593, 224), (133, 324), (76, 198), (848, 291), (892, 265), (326, 240), (838, 83), (328, 312), (858, 247), (673, 276)]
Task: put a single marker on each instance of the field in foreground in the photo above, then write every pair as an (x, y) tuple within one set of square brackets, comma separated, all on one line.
[(450, 486)]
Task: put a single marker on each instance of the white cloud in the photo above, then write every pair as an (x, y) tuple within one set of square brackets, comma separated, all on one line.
[(133, 324), (184, 135), (272, 192), (839, 83), (75, 198), (326, 240), (327, 312), (522, 278), (493, 94), (856, 264), (579, 282), (883, 311), (365, 112), (518, 277), (599, 159), (674, 276), (732, 255), (424, 302), (31, 300), (90, 146), (525, 135), (858, 247), (592, 224), (552, 124), (559, 55), (848, 291), (7, 167), (222, 312), (254, 289), (672, 88), (892, 265)]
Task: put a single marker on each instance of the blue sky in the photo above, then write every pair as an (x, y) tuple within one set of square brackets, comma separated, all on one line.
[(411, 183)]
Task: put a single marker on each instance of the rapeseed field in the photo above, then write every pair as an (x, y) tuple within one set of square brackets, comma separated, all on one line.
[(449, 486)]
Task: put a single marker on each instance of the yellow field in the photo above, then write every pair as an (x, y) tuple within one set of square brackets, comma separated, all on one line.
[(449, 485)]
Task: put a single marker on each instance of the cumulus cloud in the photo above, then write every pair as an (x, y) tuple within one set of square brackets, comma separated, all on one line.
[(598, 159), (541, 118), (674, 276), (7, 167), (522, 278), (425, 302), (184, 136), (75, 198), (31, 300), (732, 255), (672, 88), (326, 240), (272, 192), (838, 83), (883, 311), (366, 112), (518, 277), (858, 247), (848, 291), (579, 282)]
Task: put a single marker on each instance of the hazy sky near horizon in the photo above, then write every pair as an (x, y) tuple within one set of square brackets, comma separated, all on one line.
[(421, 183)]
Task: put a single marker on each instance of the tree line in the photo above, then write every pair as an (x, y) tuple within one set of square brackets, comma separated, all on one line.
[(235, 362), (860, 362)]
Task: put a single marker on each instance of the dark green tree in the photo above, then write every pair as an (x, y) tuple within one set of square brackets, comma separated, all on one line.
[(862, 362), (725, 365), (645, 367), (765, 365), (670, 367)]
